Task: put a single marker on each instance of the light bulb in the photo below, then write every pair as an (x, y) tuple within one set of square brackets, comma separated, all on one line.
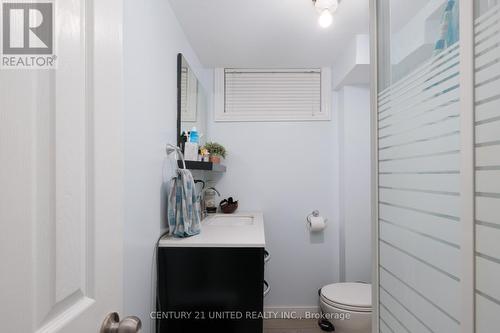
[(325, 19)]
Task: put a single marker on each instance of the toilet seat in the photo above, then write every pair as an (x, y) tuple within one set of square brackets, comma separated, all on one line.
[(348, 296)]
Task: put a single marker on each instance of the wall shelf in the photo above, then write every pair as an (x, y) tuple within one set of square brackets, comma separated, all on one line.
[(205, 166)]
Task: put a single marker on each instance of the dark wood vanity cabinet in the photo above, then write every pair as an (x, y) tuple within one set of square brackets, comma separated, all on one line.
[(210, 290)]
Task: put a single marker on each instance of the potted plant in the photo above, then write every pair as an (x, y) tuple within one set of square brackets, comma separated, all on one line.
[(216, 151)]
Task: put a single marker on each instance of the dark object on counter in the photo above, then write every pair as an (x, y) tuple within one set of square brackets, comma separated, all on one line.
[(228, 206)]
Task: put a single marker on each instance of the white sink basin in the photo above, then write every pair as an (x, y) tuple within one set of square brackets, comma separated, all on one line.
[(230, 220)]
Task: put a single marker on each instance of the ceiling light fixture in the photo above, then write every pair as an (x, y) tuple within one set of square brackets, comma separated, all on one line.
[(326, 9)]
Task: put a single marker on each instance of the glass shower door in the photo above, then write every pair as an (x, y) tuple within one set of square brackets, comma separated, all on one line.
[(487, 150), (419, 227)]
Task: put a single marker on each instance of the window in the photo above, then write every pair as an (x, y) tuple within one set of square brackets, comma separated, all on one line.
[(272, 95)]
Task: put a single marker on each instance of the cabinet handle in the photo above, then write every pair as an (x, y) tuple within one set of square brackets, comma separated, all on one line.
[(267, 288), (267, 256)]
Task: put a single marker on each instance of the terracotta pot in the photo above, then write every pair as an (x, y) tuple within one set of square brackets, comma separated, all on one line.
[(215, 159)]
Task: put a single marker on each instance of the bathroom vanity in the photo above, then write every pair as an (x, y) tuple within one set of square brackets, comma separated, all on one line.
[(214, 281)]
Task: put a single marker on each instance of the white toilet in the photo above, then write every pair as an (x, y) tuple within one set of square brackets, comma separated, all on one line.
[(348, 306)]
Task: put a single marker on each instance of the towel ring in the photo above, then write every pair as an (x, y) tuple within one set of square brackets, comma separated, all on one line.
[(174, 149)]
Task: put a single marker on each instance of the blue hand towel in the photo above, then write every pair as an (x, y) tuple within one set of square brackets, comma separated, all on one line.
[(184, 214)]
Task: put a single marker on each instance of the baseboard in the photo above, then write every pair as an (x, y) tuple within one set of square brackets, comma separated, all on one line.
[(291, 312)]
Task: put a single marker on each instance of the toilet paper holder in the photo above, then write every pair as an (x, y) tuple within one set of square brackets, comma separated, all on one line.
[(310, 223), (315, 213)]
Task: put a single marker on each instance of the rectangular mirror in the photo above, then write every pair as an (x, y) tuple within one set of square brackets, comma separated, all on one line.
[(191, 102)]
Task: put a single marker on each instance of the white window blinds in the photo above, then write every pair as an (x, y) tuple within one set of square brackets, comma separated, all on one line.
[(259, 95)]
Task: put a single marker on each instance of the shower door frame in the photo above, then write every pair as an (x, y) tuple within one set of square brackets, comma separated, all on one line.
[(467, 163)]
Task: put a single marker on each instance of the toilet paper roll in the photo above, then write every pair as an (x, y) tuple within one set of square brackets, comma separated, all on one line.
[(316, 223)]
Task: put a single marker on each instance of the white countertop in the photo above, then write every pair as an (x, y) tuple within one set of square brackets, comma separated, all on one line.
[(242, 229)]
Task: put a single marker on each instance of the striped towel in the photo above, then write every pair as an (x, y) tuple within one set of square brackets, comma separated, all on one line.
[(184, 214), (449, 29)]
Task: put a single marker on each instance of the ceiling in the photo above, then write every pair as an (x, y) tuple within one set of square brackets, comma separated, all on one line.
[(268, 33)]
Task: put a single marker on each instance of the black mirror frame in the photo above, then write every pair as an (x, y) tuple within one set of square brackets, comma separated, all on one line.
[(179, 87)]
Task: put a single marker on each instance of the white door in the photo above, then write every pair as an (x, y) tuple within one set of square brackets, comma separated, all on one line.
[(61, 173)]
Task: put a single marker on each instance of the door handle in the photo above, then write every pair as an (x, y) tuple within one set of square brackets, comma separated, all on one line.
[(112, 324)]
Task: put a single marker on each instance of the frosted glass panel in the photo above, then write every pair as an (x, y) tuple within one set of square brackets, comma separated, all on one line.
[(487, 113), (419, 167)]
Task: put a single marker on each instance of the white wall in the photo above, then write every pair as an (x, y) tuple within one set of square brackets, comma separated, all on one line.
[(287, 170), (355, 202), (152, 39)]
